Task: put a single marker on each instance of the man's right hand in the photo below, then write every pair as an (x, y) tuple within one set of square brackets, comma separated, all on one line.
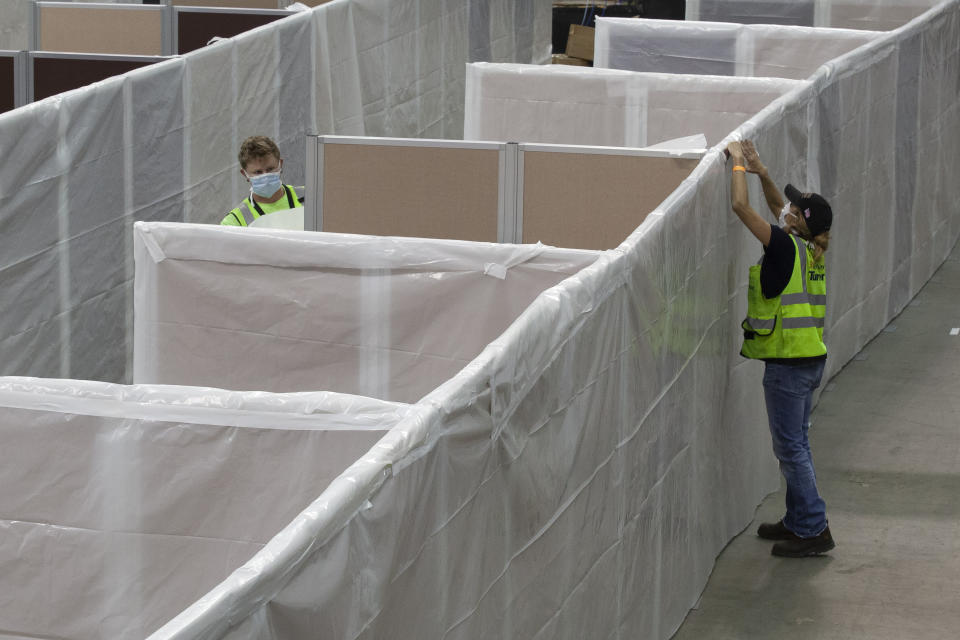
[(751, 158)]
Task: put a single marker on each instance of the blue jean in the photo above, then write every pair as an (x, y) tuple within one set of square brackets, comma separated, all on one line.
[(788, 390)]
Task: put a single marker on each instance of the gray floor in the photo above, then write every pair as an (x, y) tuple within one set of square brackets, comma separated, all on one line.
[(886, 445)]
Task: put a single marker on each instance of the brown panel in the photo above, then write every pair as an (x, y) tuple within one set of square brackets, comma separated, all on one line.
[(56, 75), (86, 29), (593, 201), (7, 83), (424, 192), (195, 28)]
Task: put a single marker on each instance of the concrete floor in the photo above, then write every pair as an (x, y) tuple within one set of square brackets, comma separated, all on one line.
[(886, 445)]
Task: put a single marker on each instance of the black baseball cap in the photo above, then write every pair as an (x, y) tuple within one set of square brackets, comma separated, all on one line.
[(816, 210)]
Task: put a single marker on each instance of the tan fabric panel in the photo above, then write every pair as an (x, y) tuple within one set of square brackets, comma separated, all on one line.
[(592, 201), (423, 192), (85, 29)]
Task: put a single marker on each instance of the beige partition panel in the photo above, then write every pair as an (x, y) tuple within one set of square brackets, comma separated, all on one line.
[(593, 200), (121, 29), (426, 191)]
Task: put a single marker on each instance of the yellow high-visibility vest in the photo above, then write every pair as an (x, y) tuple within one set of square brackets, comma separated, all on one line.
[(791, 324), (249, 210)]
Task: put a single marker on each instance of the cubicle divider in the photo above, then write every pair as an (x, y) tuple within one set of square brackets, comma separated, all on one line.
[(121, 505), (84, 27), (720, 48), (140, 29), (53, 73), (390, 318), (559, 104), (566, 196), (410, 187), (878, 15), (593, 197), (13, 80)]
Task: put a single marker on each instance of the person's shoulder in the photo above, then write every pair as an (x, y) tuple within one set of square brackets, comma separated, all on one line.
[(780, 240), (232, 219)]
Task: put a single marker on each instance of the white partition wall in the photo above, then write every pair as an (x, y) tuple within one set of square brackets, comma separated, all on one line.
[(720, 48), (882, 15), (579, 477), (391, 318), (161, 144), (571, 105), (122, 505)]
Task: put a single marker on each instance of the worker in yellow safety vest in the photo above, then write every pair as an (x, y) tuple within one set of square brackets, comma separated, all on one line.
[(261, 166), (786, 307)]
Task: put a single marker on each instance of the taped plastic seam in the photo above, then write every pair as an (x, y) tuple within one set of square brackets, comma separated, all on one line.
[(153, 248)]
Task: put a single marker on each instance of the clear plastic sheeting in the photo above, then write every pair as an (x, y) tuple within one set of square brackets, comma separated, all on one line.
[(579, 477), (160, 144), (581, 106), (878, 15), (122, 505), (718, 48), (391, 318)]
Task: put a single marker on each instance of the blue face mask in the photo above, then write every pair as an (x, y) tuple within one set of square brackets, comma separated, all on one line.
[(265, 184)]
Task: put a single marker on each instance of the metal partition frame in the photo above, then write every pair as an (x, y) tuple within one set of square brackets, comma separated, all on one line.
[(20, 76), (506, 201)]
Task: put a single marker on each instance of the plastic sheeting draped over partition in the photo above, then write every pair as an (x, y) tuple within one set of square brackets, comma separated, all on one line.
[(579, 477), (719, 48), (289, 311), (122, 505), (572, 105), (160, 144), (880, 15)]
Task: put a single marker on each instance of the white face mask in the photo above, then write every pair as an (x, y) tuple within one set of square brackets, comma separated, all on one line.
[(784, 221)]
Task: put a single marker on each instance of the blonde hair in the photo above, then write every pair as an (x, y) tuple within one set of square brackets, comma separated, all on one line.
[(820, 244)]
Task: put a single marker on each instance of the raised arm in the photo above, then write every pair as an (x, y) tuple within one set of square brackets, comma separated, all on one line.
[(771, 193), (740, 199)]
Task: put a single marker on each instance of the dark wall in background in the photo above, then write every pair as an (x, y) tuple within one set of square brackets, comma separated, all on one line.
[(586, 14), (195, 28), (7, 87), (56, 75)]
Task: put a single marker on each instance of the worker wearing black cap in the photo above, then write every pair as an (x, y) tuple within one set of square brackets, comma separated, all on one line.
[(786, 306)]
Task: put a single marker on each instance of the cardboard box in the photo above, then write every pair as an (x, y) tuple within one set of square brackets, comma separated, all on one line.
[(580, 42), (562, 58)]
